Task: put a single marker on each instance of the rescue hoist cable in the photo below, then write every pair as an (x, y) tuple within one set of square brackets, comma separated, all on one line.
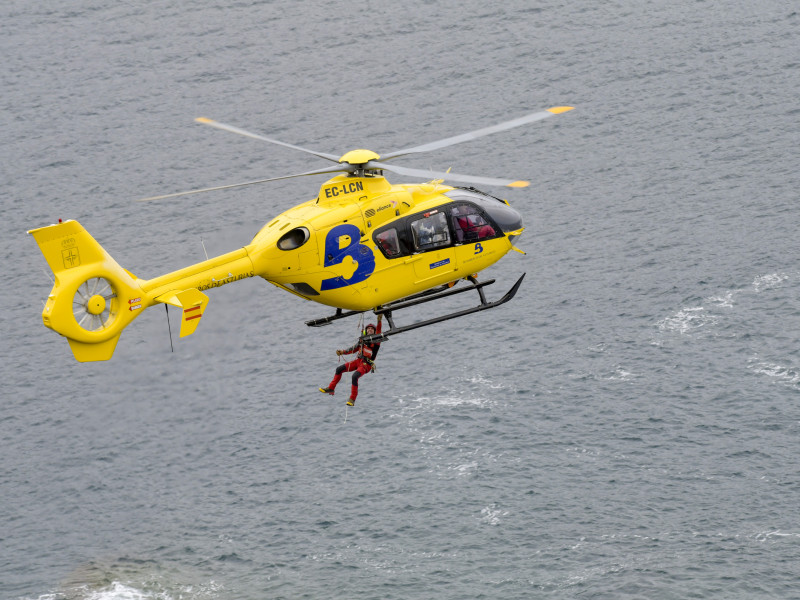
[(361, 331)]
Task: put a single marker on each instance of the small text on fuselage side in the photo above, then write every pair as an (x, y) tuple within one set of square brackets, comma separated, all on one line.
[(219, 282)]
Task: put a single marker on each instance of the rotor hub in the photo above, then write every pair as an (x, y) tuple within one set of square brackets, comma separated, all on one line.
[(359, 157), (96, 304)]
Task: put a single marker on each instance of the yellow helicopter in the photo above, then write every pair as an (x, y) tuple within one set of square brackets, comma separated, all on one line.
[(362, 244)]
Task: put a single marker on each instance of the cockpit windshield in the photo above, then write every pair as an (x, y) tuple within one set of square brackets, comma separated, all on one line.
[(506, 217)]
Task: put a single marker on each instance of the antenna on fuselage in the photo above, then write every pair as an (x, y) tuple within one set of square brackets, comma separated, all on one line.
[(169, 328)]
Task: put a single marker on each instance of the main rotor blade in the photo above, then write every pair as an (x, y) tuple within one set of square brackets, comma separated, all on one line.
[(446, 176), (466, 137), (342, 168), (256, 136)]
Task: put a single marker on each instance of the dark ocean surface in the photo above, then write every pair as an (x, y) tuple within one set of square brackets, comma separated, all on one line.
[(627, 427)]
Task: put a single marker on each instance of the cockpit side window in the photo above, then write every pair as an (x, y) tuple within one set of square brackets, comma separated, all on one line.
[(469, 224), (430, 231)]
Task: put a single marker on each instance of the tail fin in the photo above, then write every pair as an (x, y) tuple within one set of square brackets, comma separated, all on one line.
[(93, 299)]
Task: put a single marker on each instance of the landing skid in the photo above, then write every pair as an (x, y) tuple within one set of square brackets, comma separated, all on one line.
[(427, 296)]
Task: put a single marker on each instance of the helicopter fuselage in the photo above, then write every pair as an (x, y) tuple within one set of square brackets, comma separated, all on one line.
[(361, 244), (364, 242)]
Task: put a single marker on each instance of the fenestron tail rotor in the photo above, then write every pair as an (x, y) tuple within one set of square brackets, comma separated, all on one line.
[(361, 162), (94, 304)]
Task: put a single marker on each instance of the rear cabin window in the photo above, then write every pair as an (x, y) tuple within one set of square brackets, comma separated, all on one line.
[(388, 242)]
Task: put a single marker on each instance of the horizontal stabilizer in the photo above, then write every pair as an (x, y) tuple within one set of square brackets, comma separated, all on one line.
[(192, 302)]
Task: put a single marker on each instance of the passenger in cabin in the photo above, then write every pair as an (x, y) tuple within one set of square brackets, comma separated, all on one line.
[(461, 227), (430, 231), (389, 243), (480, 226), (470, 225), (425, 234), (363, 364)]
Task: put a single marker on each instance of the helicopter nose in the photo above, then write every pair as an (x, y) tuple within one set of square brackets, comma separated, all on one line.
[(506, 217)]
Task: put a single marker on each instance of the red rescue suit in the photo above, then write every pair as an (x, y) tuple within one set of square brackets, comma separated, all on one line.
[(363, 364)]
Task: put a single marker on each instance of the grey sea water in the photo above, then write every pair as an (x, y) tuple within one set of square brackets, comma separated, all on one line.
[(627, 427)]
